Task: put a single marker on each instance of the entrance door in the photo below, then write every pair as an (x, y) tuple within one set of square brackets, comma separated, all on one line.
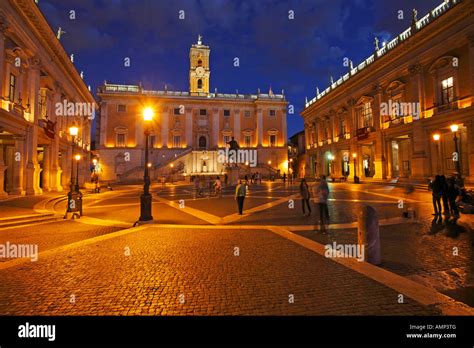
[(395, 160), (202, 142)]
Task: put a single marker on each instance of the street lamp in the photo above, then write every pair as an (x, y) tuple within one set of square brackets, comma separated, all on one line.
[(436, 138), (78, 158), (454, 129), (73, 132), (145, 198)]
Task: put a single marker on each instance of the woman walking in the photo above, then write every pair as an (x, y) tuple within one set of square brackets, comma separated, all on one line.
[(304, 192)]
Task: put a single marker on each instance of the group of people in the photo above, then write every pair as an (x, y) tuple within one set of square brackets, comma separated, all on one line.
[(320, 193), (215, 186), (254, 178), (447, 191)]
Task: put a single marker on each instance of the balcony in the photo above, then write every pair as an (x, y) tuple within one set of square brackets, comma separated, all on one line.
[(363, 133)]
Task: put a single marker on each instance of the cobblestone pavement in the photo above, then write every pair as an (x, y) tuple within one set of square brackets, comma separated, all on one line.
[(436, 254), (199, 263), (52, 235), (183, 271)]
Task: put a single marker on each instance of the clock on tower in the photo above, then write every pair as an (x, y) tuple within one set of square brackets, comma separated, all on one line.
[(199, 72)]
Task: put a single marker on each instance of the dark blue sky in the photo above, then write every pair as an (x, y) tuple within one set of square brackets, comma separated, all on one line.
[(295, 55)]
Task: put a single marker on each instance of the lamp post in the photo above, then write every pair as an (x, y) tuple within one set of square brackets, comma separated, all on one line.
[(436, 138), (145, 198), (78, 158), (456, 155), (73, 131), (354, 156)]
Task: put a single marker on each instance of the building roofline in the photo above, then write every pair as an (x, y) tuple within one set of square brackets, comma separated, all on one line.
[(133, 90), (46, 35), (417, 25)]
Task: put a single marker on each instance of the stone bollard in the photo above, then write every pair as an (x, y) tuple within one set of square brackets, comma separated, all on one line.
[(368, 235)]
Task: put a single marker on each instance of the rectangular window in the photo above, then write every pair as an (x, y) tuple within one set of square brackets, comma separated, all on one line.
[(11, 95), (121, 107), (248, 140), (365, 115), (176, 141), (120, 140), (226, 139), (177, 111), (247, 113), (152, 141), (447, 91), (226, 113), (342, 127), (272, 140), (272, 113), (203, 112)]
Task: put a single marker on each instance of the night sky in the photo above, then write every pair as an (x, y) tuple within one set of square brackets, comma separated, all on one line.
[(295, 55)]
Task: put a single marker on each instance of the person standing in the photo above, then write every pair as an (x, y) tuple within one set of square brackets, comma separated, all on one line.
[(240, 192), (284, 178), (436, 191), (305, 196), (321, 194), (226, 178), (443, 185)]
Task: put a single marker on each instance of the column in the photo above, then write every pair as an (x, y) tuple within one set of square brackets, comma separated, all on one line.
[(471, 63), (215, 128), (3, 167), (189, 127), (55, 169), (3, 76), (32, 166), (237, 126), (284, 131), (18, 166), (259, 127), (418, 91), (306, 136), (164, 128), (103, 125), (470, 151), (420, 140), (379, 155)]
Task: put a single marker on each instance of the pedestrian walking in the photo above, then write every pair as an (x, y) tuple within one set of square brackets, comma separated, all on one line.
[(284, 178), (240, 193), (320, 195), (436, 188), (305, 196), (444, 194), (226, 178)]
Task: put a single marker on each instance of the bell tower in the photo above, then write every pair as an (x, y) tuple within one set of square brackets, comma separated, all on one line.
[(199, 72)]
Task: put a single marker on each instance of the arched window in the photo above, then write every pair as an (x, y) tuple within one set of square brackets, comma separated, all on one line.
[(199, 84), (199, 62), (202, 142)]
